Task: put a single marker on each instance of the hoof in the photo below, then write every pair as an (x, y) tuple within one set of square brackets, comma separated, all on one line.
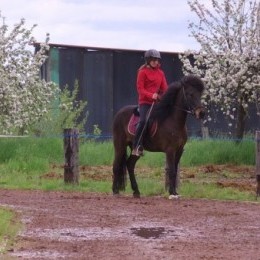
[(116, 195), (136, 195), (174, 197)]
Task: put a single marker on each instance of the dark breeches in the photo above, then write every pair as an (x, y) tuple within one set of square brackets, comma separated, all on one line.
[(143, 109)]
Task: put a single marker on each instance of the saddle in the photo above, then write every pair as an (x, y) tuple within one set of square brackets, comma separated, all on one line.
[(134, 120)]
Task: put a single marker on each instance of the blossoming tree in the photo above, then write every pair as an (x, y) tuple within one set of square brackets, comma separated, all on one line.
[(229, 57), (24, 96)]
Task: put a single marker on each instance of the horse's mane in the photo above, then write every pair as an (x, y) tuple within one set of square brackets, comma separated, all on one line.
[(163, 109), (166, 105)]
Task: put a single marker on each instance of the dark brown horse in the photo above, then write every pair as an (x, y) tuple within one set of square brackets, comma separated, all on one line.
[(182, 98)]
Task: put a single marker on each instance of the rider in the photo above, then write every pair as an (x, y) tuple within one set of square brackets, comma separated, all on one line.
[(151, 84)]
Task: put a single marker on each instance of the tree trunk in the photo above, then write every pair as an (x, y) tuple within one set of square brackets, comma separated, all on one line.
[(241, 120)]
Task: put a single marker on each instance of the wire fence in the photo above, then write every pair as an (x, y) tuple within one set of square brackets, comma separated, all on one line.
[(109, 137)]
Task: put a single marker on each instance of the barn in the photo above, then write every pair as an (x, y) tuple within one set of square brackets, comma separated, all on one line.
[(107, 82)]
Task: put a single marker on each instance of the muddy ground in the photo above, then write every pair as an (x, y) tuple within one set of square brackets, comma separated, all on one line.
[(66, 225)]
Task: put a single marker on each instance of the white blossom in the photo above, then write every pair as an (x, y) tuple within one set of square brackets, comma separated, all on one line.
[(24, 96), (229, 58)]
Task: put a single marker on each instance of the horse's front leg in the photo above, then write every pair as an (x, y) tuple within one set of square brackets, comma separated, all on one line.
[(177, 165), (131, 171), (171, 174)]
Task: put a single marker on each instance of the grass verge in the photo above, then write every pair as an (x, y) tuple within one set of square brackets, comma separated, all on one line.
[(37, 163), (9, 227)]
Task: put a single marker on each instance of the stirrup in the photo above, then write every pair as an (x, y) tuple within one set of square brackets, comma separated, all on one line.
[(138, 151)]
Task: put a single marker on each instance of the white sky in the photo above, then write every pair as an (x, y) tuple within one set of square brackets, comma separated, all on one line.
[(124, 24)]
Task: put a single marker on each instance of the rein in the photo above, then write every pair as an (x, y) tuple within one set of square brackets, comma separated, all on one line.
[(185, 110), (189, 111)]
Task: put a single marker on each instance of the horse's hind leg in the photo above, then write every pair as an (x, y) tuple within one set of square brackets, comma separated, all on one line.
[(131, 171), (119, 170)]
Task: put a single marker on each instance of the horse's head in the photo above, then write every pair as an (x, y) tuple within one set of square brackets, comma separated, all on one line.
[(193, 87), (184, 95)]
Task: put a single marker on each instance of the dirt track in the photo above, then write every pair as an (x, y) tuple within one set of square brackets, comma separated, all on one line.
[(61, 225)]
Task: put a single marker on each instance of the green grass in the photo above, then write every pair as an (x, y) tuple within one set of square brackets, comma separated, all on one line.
[(9, 226), (218, 152), (212, 191), (25, 163), (29, 154), (96, 153)]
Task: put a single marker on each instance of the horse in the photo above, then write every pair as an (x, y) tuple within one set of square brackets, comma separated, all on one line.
[(182, 97)]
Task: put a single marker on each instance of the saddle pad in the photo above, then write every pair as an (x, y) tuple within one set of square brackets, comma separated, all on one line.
[(132, 124)]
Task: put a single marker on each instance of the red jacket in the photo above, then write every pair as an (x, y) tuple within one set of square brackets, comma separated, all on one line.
[(149, 81)]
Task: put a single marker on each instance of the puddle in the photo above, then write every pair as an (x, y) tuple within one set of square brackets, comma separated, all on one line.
[(145, 231), (156, 232)]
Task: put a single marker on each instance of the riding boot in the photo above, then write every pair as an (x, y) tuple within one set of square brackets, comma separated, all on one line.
[(138, 141)]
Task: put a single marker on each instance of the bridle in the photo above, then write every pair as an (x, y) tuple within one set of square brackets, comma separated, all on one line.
[(190, 110)]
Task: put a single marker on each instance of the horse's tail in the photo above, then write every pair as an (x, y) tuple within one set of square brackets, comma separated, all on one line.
[(119, 173), (123, 174)]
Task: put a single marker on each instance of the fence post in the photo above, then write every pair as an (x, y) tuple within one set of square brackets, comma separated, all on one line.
[(71, 151), (205, 132), (257, 154)]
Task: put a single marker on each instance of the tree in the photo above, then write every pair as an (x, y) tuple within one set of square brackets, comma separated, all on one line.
[(229, 58), (67, 111), (24, 96)]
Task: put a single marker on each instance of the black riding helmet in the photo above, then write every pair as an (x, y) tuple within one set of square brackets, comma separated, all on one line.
[(151, 54)]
